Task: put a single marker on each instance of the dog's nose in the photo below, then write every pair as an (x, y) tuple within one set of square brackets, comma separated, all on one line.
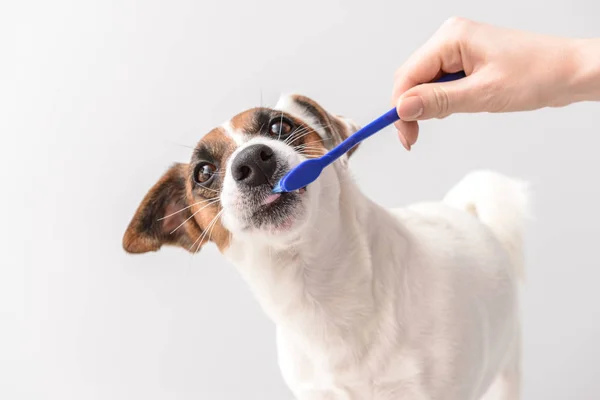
[(254, 166)]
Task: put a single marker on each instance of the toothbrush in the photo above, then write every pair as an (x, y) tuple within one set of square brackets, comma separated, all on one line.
[(308, 171)]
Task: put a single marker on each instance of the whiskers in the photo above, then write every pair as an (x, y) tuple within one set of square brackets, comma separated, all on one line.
[(207, 232), (194, 214), (310, 150), (182, 145), (185, 208), (303, 131)]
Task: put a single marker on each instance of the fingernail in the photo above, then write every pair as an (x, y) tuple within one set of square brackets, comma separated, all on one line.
[(403, 141), (410, 108)]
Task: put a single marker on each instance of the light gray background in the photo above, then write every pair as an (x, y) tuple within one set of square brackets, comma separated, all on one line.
[(98, 98)]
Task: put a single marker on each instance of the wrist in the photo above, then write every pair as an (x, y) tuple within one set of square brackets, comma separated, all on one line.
[(584, 79)]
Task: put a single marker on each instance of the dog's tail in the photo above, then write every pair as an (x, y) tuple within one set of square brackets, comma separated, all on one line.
[(499, 202)]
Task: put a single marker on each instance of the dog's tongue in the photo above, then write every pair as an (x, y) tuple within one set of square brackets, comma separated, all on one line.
[(274, 196), (271, 198)]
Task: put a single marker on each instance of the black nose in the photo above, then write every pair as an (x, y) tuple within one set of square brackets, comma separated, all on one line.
[(254, 166)]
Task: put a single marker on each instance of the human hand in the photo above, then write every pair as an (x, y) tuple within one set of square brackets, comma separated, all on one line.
[(507, 70)]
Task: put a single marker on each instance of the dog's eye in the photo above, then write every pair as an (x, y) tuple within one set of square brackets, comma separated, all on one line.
[(204, 173), (280, 128)]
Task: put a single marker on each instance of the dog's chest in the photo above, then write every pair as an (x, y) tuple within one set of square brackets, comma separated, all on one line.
[(315, 372)]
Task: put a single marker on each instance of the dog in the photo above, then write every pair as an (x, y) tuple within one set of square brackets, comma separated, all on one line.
[(419, 303)]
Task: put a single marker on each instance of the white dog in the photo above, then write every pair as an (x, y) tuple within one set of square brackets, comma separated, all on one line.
[(369, 303)]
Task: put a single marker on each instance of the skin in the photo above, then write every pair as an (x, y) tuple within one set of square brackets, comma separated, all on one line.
[(507, 70)]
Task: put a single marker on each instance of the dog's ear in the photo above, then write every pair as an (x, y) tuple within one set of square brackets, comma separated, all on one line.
[(335, 127), (347, 127), (164, 216)]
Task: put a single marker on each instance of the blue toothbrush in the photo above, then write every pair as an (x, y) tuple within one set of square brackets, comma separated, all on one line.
[(308, 171)]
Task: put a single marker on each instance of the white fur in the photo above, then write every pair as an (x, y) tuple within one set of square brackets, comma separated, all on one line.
[(236, 136), (415, 304)]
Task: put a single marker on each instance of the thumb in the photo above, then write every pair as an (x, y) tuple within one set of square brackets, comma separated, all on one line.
[(438, 100)]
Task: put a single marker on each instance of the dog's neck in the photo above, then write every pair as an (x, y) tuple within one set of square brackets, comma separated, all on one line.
[(331, 283)]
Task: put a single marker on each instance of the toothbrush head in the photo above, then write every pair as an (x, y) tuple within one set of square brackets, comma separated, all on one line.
[(300, 176)]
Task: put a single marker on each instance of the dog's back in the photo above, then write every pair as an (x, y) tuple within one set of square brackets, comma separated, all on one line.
[(502, 204), (465, 262), (499, 202)]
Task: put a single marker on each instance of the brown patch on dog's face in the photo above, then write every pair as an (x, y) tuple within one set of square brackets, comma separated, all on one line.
[(213, 150)]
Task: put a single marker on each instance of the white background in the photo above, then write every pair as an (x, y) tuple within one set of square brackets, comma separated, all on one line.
[(98, 98)]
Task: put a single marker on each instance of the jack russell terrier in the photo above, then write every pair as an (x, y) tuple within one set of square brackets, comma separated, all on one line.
[(418, 303)]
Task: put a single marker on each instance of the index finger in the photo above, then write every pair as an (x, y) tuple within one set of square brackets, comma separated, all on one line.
[(441, 53)]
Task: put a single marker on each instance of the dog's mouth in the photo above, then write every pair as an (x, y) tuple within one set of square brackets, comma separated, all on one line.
[(274, 197), (278, 211)]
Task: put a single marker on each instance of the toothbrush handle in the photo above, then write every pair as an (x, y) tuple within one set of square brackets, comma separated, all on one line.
[(368, 130)]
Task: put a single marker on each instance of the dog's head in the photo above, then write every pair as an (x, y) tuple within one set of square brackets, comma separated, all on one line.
[(225, 190)]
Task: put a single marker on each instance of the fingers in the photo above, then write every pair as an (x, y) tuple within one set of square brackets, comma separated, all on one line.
[(408, 133), (414, 97), (438, 100), (410, 108), (441, 53)]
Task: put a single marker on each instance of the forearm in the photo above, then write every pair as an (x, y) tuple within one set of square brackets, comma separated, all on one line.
[(585, 79)]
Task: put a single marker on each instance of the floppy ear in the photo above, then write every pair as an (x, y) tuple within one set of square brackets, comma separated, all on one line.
[(162, 215), (348, 128), (335, 127)]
